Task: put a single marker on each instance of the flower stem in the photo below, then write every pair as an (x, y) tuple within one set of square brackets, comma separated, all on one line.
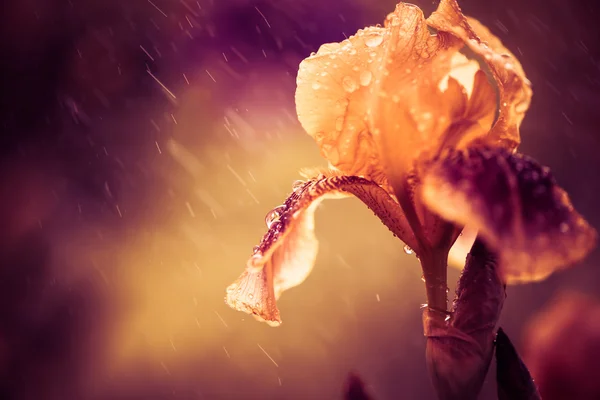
[(435, 266)]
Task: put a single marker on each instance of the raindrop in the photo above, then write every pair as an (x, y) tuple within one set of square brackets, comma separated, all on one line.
[(349, 84), (374, 40), (316, 85), (255, 249), (274, 215), (408, 250), (448, 316), (297, 185), (365, 78), (564, 227)]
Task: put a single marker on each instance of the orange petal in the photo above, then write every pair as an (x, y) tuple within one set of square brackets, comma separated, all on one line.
[(381, 80), (286, 255), (515, 204), (332, 98), (514, 88), (410, 112)]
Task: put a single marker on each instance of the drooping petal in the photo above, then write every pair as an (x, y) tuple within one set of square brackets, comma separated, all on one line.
[(513, 87), (516, 205), (286, 255)]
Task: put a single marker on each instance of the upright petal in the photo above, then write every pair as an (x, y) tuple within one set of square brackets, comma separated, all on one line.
[(516, 205), (513, 87), (375, 98), (287, 252), (332, 98), (409, 111)]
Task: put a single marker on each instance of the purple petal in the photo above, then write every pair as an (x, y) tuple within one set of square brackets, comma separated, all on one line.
[(516, 205)]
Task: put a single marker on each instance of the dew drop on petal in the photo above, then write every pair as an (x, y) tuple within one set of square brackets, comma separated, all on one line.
[(374, 40), (274, 215), (256, 258), (365, 78), (564, 227), (316, 85), (408, 250), (349, 84), (297, 185)]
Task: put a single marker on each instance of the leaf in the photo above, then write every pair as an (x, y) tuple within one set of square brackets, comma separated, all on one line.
[(512, 376)]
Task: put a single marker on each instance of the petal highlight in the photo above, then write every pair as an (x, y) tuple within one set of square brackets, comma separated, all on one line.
[(516, 205)]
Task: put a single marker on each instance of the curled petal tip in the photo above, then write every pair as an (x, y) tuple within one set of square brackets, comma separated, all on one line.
[(287, 252)]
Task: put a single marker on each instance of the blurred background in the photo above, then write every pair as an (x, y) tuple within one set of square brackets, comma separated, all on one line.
[(144, 141)]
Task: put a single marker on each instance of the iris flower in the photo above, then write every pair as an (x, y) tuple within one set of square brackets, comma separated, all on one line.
[(420, 120)]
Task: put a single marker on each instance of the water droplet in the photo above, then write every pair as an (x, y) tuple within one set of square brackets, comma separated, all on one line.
[(250, 295), (564, 227), (316, 85), (274, 215), (408, 250), (448, 316), (276, 226), (256, 257), (521, 107), (352, 51), (423, 278), (365, 78), (374, 40), (297, 185), (349, 84), (424, 305), (255, 249)]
